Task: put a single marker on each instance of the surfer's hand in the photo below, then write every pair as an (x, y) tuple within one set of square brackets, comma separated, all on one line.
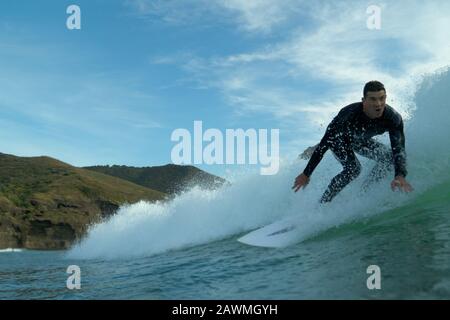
[(301, 181), (401, 183)]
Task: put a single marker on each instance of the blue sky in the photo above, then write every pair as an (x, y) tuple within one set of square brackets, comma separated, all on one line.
[(114, 91)]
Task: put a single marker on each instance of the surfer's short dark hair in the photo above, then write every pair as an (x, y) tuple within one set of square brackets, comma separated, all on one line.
[(373, 86)]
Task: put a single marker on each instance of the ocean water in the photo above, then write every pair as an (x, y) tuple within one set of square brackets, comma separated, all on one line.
[(188, 248)]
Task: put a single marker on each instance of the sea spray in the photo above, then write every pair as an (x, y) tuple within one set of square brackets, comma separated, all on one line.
[(198, 216)]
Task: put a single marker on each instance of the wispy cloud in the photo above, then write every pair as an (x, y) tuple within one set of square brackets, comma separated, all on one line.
[(66, 114), (340, 53), (252, 16), (300, 61), (93, 105), (260, 15), (334, 52), (174, 12)]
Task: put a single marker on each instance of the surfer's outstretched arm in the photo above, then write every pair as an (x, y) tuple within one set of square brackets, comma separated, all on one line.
[(303, 179), (397, 138)]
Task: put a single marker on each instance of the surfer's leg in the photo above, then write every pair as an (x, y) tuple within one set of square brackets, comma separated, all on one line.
[(352, 168), (382, 155)]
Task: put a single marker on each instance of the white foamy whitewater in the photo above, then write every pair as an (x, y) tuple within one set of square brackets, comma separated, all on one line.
[(8, 250), (199, 216)]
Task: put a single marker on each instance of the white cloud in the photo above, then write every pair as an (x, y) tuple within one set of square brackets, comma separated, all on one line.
[(259, 15), (334, 50), (173, 12), (253, 16), (340, 51)]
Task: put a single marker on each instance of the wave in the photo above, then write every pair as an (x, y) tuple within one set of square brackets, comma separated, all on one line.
[(199, 216)]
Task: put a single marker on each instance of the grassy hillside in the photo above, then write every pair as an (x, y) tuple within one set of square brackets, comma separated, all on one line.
[(168, 179), (47, 204)]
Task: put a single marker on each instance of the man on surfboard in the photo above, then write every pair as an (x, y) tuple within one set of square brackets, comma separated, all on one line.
[(352, 131)]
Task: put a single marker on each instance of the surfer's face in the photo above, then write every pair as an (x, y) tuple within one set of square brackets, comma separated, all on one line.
[(374, 103)]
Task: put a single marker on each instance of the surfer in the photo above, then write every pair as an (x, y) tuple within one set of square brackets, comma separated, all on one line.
[(352, 130)]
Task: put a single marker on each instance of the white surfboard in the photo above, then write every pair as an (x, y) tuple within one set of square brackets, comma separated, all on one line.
[(276, 235)]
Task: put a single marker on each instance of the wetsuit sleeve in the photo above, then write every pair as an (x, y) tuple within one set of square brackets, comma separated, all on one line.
[(335, 129), (397, 138), (319, 152)]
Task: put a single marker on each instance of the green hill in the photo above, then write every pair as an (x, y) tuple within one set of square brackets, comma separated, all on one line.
[(169, 179), (48, 204)]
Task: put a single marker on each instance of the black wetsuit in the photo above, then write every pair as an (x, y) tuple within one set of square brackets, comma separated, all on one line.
[(352, 131)]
